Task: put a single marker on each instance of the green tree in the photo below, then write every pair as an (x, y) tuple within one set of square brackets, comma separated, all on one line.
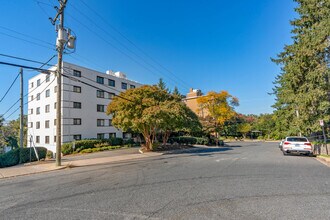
[(244, 128), (220, 109), (147, 110), (162, 85), (302, 87), (178, 117)]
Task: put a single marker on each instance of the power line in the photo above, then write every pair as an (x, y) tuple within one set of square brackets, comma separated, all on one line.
[(31, 42), (33, 89), (37, 39), (28, 60), (123, 45), (9, 88), (115, 47), (26, 67), (131, 42), (31, 99)]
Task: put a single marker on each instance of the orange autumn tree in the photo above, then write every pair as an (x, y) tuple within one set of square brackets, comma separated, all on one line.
[(219, 108)]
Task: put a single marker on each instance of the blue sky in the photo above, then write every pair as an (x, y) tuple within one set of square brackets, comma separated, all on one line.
[(209, 45)]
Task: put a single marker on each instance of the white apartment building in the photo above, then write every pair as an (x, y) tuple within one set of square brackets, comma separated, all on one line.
[(83, 106)]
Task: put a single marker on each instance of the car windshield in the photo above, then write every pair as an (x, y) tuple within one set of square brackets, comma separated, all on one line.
[(297, 139)]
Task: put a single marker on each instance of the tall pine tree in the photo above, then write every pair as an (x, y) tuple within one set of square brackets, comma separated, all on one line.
[(302, 88)]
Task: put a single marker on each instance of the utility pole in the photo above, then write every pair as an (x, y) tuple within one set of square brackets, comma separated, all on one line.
[(21, 130), (61, 40), (64, 37)]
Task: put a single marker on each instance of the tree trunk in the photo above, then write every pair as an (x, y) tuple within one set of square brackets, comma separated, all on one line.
[(166, 135)]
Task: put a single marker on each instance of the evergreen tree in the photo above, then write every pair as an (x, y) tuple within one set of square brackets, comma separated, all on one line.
[(302, 87)]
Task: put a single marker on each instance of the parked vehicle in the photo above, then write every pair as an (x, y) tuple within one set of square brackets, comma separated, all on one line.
[(281, 144), (299, 145)]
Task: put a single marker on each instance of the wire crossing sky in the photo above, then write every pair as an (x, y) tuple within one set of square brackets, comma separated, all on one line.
[(214, 45)]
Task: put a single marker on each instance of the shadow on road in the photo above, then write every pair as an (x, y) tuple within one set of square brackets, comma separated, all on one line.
[(200, 151)]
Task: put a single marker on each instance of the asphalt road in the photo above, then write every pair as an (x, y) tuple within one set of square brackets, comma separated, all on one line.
[(242, 181)]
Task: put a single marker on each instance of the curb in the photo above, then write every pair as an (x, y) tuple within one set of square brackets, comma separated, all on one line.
[(73, 164), (323, 160), (25, 174)]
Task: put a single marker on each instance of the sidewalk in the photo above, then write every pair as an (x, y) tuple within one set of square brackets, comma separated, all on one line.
[(67, 162), (324, 160)]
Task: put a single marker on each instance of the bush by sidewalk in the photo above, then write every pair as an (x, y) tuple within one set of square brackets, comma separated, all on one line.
[(86, 146), (12, 157)]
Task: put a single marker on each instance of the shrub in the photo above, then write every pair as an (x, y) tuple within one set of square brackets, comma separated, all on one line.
[(49, 154), (130, 142), (82, 145), (12, 157), (25, 154), (116, 141)]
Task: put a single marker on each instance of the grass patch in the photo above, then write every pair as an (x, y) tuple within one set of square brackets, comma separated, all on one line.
[(324, 155)]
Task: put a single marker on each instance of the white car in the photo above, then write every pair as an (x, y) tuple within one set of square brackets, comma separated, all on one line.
[(299, 145), (281, 144)]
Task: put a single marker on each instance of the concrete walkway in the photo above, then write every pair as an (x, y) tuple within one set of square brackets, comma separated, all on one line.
[(49, 165)]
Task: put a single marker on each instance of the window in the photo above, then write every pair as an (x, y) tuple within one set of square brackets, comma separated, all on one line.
[(112, 135), (100, 80), (30, 124), (76, 73), (77, 137), (111, 95), (132, 86), (38, 82), (47, 93), (77, 121), (111, 83), (55, 104), (47, 124), (55, 139), (77, 89), (47, 108), (297, 139), (76, 104), (124, 85), (37, 139), (100, 122), (54, 122), (110, 122), (31, 98), (100, 136), (32, 84), (47, 78), (100, 108), (31, 111), (38, 125), (38, 111), (46, 139), (38, 96), (99, 94), (55, 89)]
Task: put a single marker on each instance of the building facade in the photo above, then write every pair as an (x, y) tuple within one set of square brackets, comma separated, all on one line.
[(85, 96), (191, 102)]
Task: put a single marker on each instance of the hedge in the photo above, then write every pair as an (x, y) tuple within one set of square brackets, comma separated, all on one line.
[(11, 158), (81, 145)]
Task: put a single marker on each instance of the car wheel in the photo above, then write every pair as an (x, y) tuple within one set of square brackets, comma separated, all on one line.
[(285, 153)]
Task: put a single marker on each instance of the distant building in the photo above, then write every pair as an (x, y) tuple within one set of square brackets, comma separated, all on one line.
[(83, 106), (191, 102)]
